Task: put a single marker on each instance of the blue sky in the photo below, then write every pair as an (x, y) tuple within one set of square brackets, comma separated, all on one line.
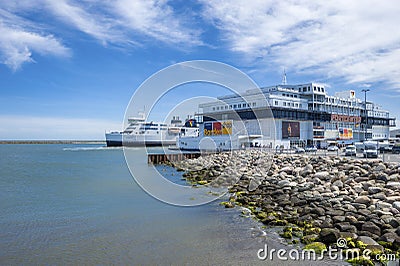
[(69, 68)]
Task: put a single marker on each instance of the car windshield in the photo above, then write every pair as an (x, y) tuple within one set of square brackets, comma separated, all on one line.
[(370, 147)]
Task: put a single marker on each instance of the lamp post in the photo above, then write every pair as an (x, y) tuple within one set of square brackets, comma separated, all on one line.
[(365, 112)]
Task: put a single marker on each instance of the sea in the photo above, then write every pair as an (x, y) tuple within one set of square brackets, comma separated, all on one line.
[(79, 204)]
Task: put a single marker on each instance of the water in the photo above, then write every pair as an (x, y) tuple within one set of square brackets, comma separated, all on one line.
[(78, 204)]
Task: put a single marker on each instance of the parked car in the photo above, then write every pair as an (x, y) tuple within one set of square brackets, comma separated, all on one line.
[(332, 148), (311, 149), (370, 151), (299, 150), (396, 149), (350, 150), (385, 149)]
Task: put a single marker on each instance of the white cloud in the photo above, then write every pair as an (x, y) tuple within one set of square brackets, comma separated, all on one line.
[(120, 23), (357, 40), (155, 19), (34, 127), (96, 25), (17, 44)]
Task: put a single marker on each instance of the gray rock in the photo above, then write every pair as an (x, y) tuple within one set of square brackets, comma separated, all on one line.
[(367, 240), (362, 200), (390, 237), (338, 219), (323, 175), (374, 190), (351, 219), (283, 183), (393, 185), (396, 205), (372, 228), (329, 235), (338, 184), (346, 227)]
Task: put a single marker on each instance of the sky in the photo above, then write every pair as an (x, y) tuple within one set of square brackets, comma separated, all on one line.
[(68, 69)]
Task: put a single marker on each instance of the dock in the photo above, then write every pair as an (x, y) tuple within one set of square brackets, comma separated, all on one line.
[(171, 157)]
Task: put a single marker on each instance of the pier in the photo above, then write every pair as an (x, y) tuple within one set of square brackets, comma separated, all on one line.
[(171, 157)]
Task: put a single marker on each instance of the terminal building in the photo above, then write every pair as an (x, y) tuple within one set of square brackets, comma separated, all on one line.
[(303, 114)]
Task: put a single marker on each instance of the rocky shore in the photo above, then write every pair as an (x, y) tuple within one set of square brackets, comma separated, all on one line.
[(316, 200)]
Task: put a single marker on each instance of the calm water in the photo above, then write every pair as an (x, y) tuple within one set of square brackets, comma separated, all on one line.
[(69, 204)]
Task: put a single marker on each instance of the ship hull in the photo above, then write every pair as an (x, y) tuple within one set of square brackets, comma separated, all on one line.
[(119, 139)]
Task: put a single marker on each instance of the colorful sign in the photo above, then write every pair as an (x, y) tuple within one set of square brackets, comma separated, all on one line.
[(345, 133), (217, 128), (345, 118), (290, 130)]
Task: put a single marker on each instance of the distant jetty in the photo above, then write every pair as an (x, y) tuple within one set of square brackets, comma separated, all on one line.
[(52, 142)]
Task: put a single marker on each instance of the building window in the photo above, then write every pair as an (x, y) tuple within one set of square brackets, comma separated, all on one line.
[(234, 106), (276, 102), (254, 104), (315, 88), (239, 105), (213, 108), (217, 107), (284, 103)]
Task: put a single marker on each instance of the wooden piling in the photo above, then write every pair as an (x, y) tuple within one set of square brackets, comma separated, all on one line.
[(172, 157)]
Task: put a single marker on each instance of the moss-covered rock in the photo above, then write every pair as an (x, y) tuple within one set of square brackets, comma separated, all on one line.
[(318, 247), (309, 239), (361, 261), (227, 204), (361, 245), (286, 234)]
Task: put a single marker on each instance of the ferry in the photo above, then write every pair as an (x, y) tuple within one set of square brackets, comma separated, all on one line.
[(141, 133)]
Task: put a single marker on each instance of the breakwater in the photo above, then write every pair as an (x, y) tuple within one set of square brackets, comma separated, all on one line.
[(315, 200), (52, 142)]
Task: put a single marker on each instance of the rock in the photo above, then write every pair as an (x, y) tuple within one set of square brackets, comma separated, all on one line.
[(362, 200), (394, 223), (329, 235), (390, 237), (374, 190), (396, 205), (309, 238), (319, 211), (346, 227), (380, 167), (338, 219), (338, 184), (287, 169), (334, 212), (393, 185), (323, 175), (392, 199), (318, 247), (372, 228), (367, 240), (283, 183), (382, 205), (351, 219), (382, 176)]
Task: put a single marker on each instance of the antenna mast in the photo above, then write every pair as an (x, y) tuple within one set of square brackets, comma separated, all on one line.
[(284, 81)]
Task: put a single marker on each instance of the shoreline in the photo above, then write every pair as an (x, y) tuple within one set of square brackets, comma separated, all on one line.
[(313, 200), (52, 142)]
